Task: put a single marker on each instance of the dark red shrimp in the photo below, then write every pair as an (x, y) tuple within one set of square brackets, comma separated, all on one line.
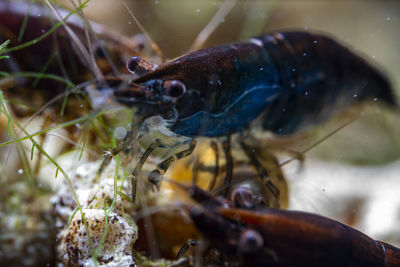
[(287, 80), (275, 237), (59, 51), (282, 82)]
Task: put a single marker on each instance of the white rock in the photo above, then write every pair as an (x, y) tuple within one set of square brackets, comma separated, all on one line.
[(117, 248)]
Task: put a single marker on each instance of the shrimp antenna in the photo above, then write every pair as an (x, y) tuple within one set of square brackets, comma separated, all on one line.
[(95, 69), (239, 180), (178, 184), (154, 45), (213, 24), (319, 141), (88, 27)]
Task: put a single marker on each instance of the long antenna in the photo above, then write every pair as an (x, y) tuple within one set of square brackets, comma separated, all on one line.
[(319, 141), (212, 25), (96, 71), (154, 45), (88, 28), (221, 188)]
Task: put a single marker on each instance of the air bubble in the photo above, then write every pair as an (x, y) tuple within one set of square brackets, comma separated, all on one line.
[(376, 99), (20, 171), (355, 95), (197, 10), (388, 18), (120, 132), (304, 54)]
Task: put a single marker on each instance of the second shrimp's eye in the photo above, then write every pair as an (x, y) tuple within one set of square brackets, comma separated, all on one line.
[(174, 88), (250, 241)]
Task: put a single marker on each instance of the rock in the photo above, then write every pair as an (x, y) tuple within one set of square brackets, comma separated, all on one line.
[(117, 248)]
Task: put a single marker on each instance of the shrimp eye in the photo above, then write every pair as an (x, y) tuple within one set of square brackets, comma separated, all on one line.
[(138, 66), (250, 241), (242, 197), (174, 88)]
